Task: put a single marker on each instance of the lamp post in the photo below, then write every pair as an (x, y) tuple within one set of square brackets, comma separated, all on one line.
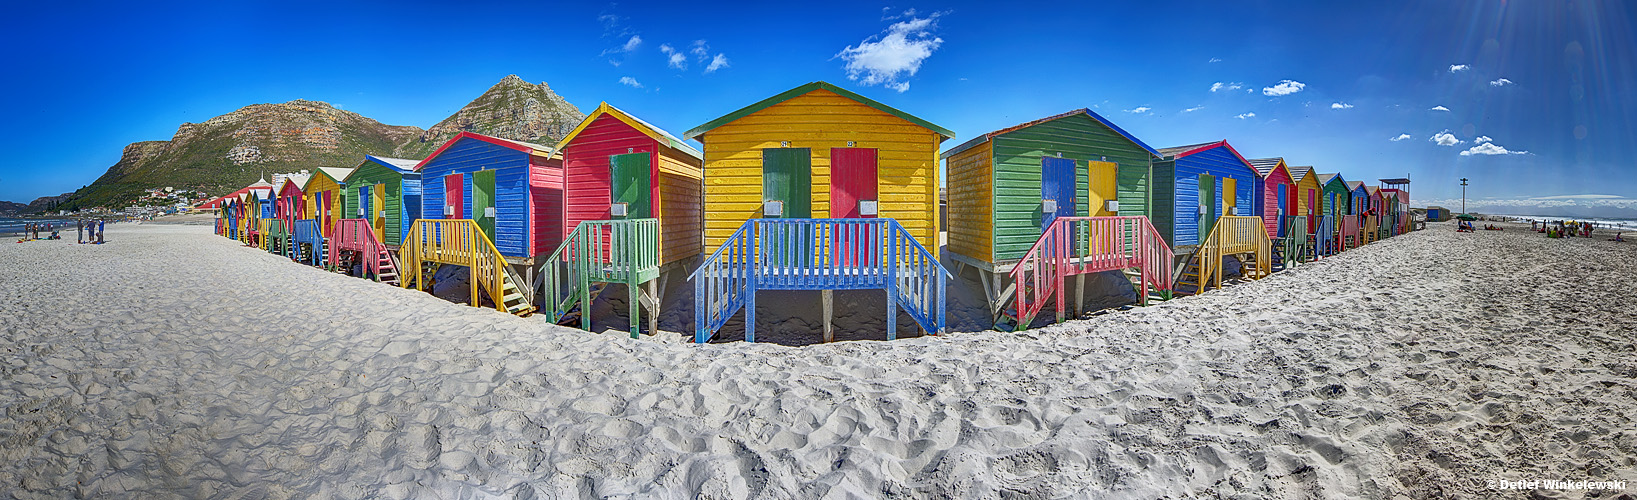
[(1463, 195)]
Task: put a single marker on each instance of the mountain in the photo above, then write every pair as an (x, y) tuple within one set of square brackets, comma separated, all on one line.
[(229, 151), (512, 109), (10, 207)]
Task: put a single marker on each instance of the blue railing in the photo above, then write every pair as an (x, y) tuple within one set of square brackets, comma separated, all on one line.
[(309, 233), (818, 254), (1326, 235)]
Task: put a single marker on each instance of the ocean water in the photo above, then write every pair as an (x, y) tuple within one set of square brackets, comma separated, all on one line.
[(1602, 222), (15, 226)]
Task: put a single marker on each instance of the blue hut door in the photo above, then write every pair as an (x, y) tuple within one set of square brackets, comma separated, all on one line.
[(364, 207), (1283, 209), (1056, 189), (1207, 207)]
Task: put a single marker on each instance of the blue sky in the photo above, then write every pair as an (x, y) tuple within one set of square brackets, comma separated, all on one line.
[(1541, 96)]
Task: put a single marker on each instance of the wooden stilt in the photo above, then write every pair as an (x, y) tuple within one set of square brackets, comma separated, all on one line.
[(1079, 294), (829, 314)]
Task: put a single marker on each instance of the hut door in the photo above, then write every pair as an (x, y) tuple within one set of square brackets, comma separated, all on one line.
[(1207, 207), (1056, 189), (787, 178), (454, 196), (1283, 209), (1312, 212), (853, 183), (378, 218), (483, 201), (629, 183), (364, 206), (1100, 187), (1230, 196)]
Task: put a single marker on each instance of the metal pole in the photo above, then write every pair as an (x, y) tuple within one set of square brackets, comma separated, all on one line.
[(1463, 195)]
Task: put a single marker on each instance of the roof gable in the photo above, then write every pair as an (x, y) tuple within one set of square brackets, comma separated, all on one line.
[(1082, 111), (1179, 152), (334, 174), (1300, 174), (695, 132), (643, 127), (520, 146)]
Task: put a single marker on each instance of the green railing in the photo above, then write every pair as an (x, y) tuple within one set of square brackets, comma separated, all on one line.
[(605, 251)]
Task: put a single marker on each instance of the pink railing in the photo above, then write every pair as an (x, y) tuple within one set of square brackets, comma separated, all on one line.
[(356, 235), (1080, 245), (1350, 235)]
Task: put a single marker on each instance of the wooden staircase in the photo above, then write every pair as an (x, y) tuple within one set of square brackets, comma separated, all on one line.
[(355, 239), (1076, 246), (461, 242), (1243, 236), (595, 254)]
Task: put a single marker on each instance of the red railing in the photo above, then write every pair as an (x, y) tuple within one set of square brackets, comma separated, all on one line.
[(356, 235), (1080, 245)]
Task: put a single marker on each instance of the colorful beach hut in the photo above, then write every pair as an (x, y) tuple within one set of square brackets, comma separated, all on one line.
[(1307, 195), (1009, 187), (324, 198), (1399, 190), (1275, 194), (1377, 205), (1334, 205), (386, 192), (1204, 205), (819, 188), (488, 204), (632, 209)]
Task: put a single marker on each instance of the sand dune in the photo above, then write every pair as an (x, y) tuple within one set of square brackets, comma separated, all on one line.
[(174, 363)]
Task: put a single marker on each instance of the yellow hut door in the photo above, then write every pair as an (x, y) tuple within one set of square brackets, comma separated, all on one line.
[(1101, 175), (378, 203), (1230, 196)]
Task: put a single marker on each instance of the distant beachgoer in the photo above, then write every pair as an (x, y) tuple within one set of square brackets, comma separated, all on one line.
[(79, 228), (101, 230)]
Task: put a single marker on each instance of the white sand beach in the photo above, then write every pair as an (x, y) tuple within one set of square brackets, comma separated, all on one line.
[(171, 362)]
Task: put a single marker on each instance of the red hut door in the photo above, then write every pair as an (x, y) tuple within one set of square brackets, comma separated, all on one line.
[(853, 183), (1312, 211), (454, 196), (853, 195)]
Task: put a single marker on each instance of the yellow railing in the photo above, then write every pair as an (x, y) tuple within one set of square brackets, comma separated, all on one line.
[(1234, 235), (459, 242)]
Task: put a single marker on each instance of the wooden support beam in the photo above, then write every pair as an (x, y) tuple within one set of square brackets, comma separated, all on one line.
[(828, 296)]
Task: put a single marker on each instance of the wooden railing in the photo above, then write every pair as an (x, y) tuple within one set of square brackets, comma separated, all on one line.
[(1234, 235), (818, 254), (461, 242), (1325, 242), (1351, 235), (356, 235), (609, 251), (1078, 245), (276, 237), (307, 232), (1293, 244)]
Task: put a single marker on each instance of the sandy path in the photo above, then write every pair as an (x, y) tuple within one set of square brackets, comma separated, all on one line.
[(1423, 365)]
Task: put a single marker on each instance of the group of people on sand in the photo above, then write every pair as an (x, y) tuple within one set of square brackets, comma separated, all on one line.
[(1569, 229), (89, 231)]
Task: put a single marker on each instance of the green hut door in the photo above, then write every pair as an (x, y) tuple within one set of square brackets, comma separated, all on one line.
[(787, 178), (630, 184), (483, 201), (1207, 206)]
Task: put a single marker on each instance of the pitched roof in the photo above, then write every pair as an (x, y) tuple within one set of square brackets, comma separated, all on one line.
[(526, 147), (1372, 189), (695, 132), (399, 165), (646, 128), (1180, 151), (1354, 185), (335, 174), (1299, 173), (1082, 111), (300, 180), (1264, 166)]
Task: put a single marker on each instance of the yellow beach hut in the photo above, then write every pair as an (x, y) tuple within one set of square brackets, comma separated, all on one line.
[(819, 188)]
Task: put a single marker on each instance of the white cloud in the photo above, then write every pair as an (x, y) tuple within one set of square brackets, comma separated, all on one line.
[(719, 62), (1482, 139), (630, 45), (1226, 86), (1444, 139), (1193, 109), (1216, 59), (1340, 105), (1438, 108), (1490, 148), (1581, 197), (1245, 115), (700, 50), (1457, 68), (675, 57), (633, 43), (1285, 87), (882, 59), (1500, 83), (1138, 110), (1400, 137), (632, 82)]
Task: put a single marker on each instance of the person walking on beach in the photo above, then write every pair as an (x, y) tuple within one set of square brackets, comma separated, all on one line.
[(79, 229), (101, 226)]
